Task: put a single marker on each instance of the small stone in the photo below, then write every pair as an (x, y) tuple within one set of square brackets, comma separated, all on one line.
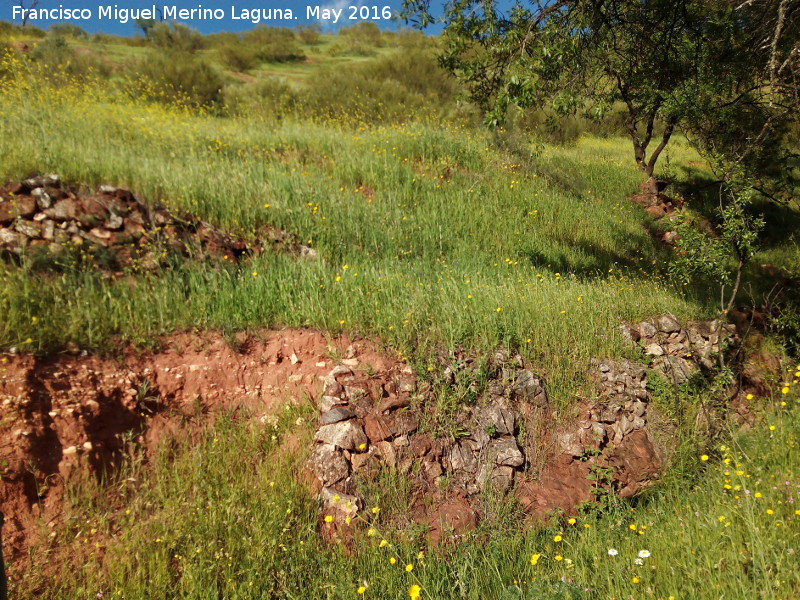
[(461, 458), (647, 329), (52, 180), (340, 370), (387, 453), (70, 451), (338, 501), (64, 210), (498, 478), (114, 222), (335, 415), (354, 394), (667, 324), (496, 420), (43, 199), (326, 403), (505, 452), (654, 349), (639, 409), (328, 464), (87, 446), (346, 434), (350, 362)]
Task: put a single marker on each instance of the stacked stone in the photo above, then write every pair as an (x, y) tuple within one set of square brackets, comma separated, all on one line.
[(359, 429), (679, 351), (41, 217)]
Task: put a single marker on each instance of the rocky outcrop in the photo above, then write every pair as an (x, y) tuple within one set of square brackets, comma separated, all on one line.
[(56, 226), (676, 351)]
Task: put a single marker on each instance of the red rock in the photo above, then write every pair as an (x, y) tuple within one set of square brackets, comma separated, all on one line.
[(21, 206), (376, 428)]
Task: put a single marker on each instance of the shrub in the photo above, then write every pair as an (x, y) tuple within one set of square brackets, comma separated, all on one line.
[(67, 30), (309, 34), (238, 56), (182, 78), (175, 36), (399, 87), (272, 98), (58, 58)]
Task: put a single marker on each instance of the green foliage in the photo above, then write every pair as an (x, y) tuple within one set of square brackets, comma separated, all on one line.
[(309, 34), (400, 87), (67, 30), (179, 77), (56, 56), (175, 36)]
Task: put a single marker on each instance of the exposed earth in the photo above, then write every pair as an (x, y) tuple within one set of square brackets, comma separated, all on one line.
[(66, 416)]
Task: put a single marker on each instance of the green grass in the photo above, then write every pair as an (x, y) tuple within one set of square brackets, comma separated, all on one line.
[(227, 518), (430, 236), (449, 231)]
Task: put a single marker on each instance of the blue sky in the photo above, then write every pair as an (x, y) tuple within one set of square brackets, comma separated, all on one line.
[(298, 7)]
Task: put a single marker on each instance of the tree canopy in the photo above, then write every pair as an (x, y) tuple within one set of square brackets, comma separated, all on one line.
[(726, 71)]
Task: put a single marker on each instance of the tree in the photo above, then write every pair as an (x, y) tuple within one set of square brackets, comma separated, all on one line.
[(26, 6), (658, 57)]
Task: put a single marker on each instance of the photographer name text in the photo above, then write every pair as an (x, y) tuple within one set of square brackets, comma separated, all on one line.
[(121, 14)]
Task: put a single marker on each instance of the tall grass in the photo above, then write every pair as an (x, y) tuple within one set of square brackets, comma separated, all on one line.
[(429, 237), (225, 517)]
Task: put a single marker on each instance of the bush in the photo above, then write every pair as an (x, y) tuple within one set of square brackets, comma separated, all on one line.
[(58, 58), (68, 30), (272, 98), (238, 56), (275, 44), (402, 86), (181, 78), (175, 36), (309, 34)]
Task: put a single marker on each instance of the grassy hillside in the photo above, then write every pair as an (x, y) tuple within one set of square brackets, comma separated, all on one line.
[(431, 233)]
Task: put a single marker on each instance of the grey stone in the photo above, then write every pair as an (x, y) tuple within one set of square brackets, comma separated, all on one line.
[(461, 458), (354, 394), (26, 228), (335, 415), (667, 324), (12, 239), (338, 501), (609, 413), (64, 210), (639, 409), (326, 403), (48, 229), (654, 349), (43, 199), (505, 452), (347, 435), (308, 253), (332, 387), (386, 451), (114, 222), (107, 189), (570, 443), (496, 419), (492, 476), (647, 329), (673, 369), (52, 180), (529, 386), (340, 370), (329, 465)]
